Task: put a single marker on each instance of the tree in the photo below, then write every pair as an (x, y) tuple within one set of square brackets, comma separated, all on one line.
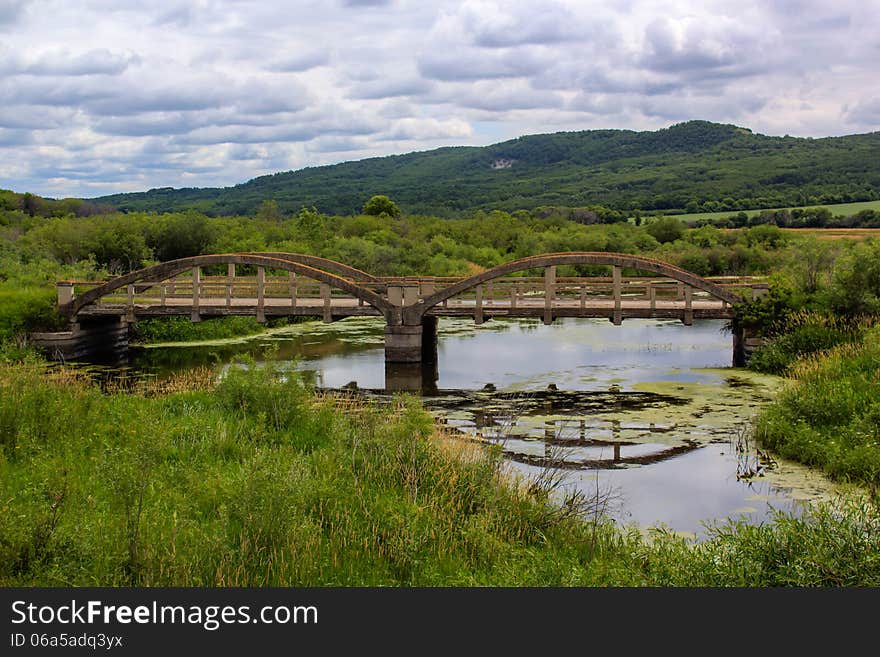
[(381, 204), (667, 229), (268, 211)]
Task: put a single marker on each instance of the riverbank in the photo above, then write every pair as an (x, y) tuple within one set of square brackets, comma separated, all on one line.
[(829, 415), (254, 480), (172, 330)]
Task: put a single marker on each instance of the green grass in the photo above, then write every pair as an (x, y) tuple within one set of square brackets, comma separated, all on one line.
[(254, 481), (804, 334), (829, 416), (181, 329), (837, 209), (25, 308)]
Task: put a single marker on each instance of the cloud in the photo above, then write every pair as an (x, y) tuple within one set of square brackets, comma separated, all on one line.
[(63, 63), (865, 111), (391, 88), (300, 61), (470, 64), (366, 3), (103, 95), (10, 11), (494, 25)]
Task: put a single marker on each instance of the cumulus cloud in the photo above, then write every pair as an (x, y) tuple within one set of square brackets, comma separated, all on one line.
[(103, 96)]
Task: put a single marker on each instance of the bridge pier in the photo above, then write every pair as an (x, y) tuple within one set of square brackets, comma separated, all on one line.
[(745, 342), (411, 344), (103, 338)]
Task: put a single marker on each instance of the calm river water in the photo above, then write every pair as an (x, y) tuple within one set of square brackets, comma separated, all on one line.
[(648, 413)]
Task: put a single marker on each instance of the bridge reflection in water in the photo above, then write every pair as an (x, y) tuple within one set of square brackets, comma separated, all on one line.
[(282, 284)]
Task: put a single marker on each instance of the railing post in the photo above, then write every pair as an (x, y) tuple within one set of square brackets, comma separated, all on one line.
[(325, 296), (549, 293), (617, 316), (688, 306), (129, 303), (230, 283), (478, 305), (261, 294), (582, 293), (162, 294), (514, 292), (652, 296), (196, 289), (291, 282), (64, 290)]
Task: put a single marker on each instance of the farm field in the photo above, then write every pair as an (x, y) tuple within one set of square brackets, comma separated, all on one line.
[(840, 209), (836, 233)]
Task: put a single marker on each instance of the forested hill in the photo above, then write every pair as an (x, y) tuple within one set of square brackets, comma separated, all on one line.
[(693, 166)]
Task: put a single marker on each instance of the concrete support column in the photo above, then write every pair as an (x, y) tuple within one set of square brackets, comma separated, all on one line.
[(196, 289), (403, 344), (617, 291), (549, 293), (429, 339), (739, 352), (65, 292), (688, 318), (325, 297), (261, 294), (230, 283)]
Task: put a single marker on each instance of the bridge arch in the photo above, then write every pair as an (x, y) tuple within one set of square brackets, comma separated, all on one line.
[(413, 314), (171, 268), (325, 264)]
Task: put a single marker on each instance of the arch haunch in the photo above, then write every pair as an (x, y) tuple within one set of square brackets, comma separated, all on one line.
[(171, 268), (413, 314)]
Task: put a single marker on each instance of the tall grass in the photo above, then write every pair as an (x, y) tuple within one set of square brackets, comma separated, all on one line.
[(829, 416), (25, 308), (806, 333), (253, 480)]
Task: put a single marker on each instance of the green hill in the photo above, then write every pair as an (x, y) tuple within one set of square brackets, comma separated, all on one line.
[(695, 166)]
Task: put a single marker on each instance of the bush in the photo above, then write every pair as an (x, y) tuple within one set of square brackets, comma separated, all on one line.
[(26, 309), (805, 334)]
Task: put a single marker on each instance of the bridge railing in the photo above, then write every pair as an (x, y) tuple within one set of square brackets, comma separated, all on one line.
[(187, 289)]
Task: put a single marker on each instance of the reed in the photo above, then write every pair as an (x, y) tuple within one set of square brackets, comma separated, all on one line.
[(254, 480)]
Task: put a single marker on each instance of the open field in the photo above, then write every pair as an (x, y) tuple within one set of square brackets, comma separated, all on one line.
[(836, 233), (840, 209)]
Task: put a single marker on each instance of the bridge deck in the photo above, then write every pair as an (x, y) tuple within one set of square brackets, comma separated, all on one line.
[(346, 307)]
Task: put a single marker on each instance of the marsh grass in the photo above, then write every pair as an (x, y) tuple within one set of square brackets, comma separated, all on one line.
[(253, 480), (829, 415), (805, 333), (181, 329)]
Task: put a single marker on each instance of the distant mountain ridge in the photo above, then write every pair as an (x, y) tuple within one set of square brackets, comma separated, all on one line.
[(693, 166)]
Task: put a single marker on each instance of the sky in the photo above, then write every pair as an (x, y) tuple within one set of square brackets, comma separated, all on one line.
[(104, 96)]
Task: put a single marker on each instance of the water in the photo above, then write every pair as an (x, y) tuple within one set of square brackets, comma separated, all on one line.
[(647, 413)]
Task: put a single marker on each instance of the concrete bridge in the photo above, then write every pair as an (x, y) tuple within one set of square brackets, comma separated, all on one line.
[(284, 284)]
